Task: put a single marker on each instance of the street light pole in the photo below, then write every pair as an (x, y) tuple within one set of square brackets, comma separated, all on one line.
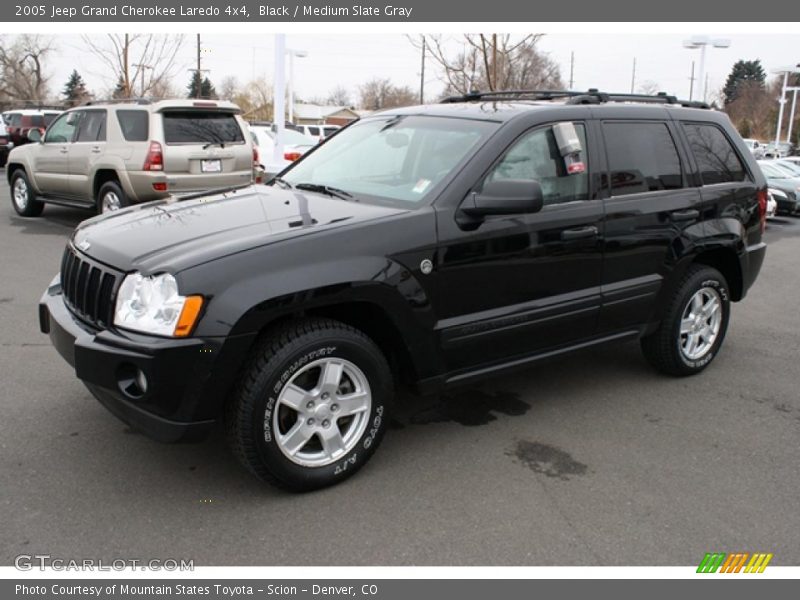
[(791, 114), (782, 102), (279, 96), (701, 42), (290, 84)]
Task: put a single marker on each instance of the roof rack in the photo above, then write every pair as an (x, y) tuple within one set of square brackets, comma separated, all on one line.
[(591, 96), (135, 100)]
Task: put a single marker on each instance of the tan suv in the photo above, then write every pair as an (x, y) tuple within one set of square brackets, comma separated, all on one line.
[(111, 154)]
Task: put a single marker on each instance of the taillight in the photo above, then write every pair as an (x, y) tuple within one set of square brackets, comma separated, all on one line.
[(292, 156), (160, 186), (257, 164), (762, 208), (155, 158)]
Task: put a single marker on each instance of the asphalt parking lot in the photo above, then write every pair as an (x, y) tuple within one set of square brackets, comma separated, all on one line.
[(592, 460)]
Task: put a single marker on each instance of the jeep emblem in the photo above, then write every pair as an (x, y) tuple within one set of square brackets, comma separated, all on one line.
[(426, 266), (84, 245)]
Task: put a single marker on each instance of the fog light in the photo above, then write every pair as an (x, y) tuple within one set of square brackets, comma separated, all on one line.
[(132, 381), (160, 187)]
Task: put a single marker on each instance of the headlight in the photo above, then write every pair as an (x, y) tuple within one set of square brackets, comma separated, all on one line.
[(152, 305), (777, 193)]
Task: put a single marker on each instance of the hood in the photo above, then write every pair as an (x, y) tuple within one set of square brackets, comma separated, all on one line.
[(175, 234)]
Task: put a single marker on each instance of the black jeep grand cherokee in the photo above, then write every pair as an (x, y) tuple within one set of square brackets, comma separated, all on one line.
[(427, 246)]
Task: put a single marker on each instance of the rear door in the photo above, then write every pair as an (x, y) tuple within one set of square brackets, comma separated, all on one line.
[(51, 158), (89, 146), (651, 214), (204, 149)]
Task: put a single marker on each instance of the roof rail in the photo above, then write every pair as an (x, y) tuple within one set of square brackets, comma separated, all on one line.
[(134, 100), (590, 96)]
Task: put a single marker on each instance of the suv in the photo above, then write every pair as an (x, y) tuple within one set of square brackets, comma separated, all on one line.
[(106, 156), (22, 122), (427, 246)]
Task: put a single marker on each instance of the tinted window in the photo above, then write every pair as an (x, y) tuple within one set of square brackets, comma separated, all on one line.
[(62, 130), (92, 126), (313, 130), (716, 158), (642, 158), (36, 121), (14, 119), (201, 127), (49, 118), (134, 125), (536, 156)]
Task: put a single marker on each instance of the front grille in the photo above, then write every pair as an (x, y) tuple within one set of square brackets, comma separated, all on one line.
[(88, 288)]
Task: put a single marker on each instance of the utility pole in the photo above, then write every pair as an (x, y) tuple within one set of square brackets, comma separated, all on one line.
[(142, 68), (198, 91), (691, 83), (422, 73), (571, 69), (633, 75)]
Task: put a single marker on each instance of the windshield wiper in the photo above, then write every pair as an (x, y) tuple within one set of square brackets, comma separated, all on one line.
[(209, 144), (324, 189)]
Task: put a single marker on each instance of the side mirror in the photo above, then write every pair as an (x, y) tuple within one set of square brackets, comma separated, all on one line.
[(505, 197), (34, 135)]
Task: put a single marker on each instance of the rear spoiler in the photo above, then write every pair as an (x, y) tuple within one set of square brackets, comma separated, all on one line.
[(203, 105)]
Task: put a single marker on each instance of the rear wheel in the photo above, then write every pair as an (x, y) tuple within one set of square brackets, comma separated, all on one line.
[(312, 405), (22, 196), (111, 197), (694, 325)]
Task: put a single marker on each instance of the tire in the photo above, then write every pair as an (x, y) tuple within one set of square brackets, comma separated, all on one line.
[(698, 313), (22, 196), (111, 197), (312, 445)]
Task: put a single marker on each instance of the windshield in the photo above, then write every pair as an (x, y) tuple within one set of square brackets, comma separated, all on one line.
[(201, 127), (773, 172), (394, 160), (790, 167)]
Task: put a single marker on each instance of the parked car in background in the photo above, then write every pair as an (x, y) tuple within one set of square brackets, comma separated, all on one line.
[(782, 181), (319, 132), (792, 159), (779, 150), (789, 166), (295, 144), (105, 156), (5, 143), (21, 122), (772, 203), (755, 147)]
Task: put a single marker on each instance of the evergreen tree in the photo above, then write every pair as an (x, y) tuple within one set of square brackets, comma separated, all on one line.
[(207, 90), (75, 91), (744, 72), (120, 91)]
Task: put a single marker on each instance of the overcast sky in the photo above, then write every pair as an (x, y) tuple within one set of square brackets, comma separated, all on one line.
[(601, 61)]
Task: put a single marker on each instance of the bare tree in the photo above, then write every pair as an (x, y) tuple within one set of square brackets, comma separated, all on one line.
[(22, 72), (648, 88), (228, 88), (492, 62), (140, 63), (255, 100), (379, 93), (339, 96)]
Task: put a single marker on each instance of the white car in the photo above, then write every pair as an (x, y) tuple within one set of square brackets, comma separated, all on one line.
[(756, 148), (318, 132), (772, 204), (295, 144)]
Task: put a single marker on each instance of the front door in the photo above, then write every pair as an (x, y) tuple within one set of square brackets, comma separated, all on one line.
[(51, 158), (90, 141), (523, 284)]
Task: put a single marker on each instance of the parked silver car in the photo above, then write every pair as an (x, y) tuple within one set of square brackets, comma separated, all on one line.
[(111, 154)]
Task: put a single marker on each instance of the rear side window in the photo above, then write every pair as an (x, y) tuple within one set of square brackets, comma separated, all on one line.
[(313, 130), (92, 127), (14, 119), (201, 127), (642, 158), (716, 158), (36, 121), (134, 125)]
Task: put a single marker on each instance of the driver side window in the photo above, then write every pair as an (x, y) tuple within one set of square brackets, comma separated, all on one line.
[(536, 156), (62, 130)]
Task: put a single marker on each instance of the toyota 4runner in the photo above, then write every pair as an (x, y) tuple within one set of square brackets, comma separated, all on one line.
[(426, 246), (105, 156)]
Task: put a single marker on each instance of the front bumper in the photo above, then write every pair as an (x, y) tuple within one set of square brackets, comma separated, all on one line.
[(187, 379)]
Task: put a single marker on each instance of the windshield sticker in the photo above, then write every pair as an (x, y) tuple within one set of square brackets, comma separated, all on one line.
[(421, 186)]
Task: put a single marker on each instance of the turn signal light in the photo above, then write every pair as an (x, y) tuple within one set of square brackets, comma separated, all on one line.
[(762, 208), (155, 158), (189, 315), (292, 156)]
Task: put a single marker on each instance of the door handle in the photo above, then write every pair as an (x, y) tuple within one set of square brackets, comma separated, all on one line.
[(96, 150), (685, 215), (579, 233), (63, 150)]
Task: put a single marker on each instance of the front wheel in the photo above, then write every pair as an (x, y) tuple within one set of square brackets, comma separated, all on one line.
[(694, 324), (312, 405), (22, 196)]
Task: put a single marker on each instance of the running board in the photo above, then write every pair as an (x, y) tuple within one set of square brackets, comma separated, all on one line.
[(65, 202)]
